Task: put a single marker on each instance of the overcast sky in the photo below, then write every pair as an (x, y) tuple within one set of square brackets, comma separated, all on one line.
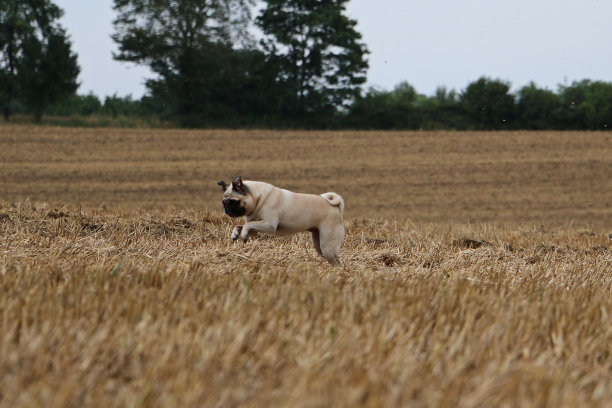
[(427, 43)]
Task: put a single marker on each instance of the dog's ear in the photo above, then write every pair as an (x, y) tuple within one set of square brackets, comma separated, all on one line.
[(222, 184), (238, 186)]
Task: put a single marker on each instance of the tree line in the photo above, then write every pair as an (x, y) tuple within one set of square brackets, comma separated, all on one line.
[(305, 68), (487, 104)]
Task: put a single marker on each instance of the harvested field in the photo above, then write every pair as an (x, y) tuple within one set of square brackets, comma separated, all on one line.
[(119, 285)]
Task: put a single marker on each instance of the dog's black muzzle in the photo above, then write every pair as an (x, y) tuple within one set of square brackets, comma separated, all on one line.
[(233, 208)]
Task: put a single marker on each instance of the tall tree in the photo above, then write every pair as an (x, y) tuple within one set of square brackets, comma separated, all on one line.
[(321, 58), (184, 43), (48, 71), (28, 28)]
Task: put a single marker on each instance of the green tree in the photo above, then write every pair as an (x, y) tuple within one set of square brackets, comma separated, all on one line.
[(573, 97), (587, 105), (376, 109), (30, 33), (188, 44), (446, 111), (597, 108), (538, 108), (401, 108), (47, 71), (318, 52), (488, 103)]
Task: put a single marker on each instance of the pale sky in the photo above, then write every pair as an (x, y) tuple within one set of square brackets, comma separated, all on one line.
[(427, 43)]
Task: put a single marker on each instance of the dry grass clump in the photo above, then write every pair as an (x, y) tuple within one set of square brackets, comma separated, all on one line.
[(127, 307)]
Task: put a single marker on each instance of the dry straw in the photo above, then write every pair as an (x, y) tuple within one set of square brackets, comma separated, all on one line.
[(478, 271), (114, 308)]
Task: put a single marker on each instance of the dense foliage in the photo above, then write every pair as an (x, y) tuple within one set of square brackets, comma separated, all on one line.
[(486, 104), (306, 70), (37, 66), (320, 59)]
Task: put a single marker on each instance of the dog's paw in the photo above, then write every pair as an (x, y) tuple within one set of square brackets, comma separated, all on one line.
[(236, 232)]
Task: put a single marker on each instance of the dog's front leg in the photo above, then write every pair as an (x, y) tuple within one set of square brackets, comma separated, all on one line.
[(236, 232), (257, 226)]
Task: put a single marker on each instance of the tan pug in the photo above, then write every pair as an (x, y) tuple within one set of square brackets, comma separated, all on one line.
[(277, 211)]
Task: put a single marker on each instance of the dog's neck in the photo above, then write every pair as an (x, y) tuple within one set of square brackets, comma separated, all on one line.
[(258, 196)]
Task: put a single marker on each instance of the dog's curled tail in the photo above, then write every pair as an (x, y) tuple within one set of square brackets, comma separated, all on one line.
[(335, 200)]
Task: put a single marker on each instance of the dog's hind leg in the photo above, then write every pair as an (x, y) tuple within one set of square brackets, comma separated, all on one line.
[(330, 242), (314, 233)]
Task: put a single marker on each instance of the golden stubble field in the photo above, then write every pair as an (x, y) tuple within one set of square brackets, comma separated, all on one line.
[(478, 271), (543, 178)]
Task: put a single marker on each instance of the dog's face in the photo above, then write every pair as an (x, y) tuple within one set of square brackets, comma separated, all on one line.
[(237, 200)]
